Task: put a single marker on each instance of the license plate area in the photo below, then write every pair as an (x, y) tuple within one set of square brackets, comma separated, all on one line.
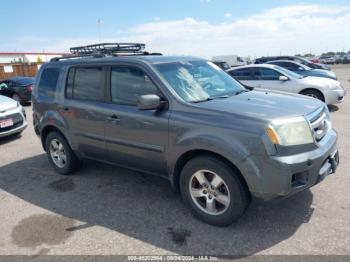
[(329, 166), (6, 123)]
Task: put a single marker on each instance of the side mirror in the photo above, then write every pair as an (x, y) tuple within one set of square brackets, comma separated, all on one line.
[(150, 102), (283, 78)]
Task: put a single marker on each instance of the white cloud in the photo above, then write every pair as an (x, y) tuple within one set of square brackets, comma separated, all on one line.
[(228, 15), (290, 29), (156, 18)]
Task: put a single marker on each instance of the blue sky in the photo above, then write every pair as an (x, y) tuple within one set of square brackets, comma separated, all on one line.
[(54, 25)]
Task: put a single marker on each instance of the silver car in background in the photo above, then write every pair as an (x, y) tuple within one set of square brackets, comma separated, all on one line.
[(12, 117), (276, 78)]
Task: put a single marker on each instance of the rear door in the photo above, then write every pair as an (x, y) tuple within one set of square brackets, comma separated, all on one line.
[(135, 138), (244, 76), (84, 109)]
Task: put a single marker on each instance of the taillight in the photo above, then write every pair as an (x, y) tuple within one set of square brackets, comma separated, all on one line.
[(30, 88)]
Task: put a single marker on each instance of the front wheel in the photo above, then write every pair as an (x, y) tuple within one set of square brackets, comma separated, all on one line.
[(213, 191), (60, 155), (313, 93)]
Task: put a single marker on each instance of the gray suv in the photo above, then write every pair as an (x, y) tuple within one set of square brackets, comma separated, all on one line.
[(185, 119)]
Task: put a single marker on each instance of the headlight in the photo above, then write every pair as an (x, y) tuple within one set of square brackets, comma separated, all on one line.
[(334, 87), (290, 132)]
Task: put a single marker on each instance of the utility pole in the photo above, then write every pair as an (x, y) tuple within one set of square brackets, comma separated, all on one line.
[(99, 28)]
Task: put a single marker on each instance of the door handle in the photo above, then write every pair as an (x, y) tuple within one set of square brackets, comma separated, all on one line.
[(113, 118)]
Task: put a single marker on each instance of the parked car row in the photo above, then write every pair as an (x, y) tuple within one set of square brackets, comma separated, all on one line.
[(291, 74), (298, 59), (336, 59), (184, 118)]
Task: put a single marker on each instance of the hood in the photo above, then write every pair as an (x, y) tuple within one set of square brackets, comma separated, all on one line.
[(7, 103), (324, 66), (319, 81), (266, 105), (324, 72)]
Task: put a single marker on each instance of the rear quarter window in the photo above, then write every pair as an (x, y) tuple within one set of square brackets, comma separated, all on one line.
[(48, 82)]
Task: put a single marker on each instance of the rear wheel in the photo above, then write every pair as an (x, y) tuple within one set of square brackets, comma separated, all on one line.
[(60, 155), (213, 191), (313, 93)]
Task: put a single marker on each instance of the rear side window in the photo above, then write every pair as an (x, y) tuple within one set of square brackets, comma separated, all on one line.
[(128, 83), (85, 84), (241, 74), (290, 66), (48, 82), (266, 74)]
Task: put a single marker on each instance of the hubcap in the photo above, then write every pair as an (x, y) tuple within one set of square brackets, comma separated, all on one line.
[(57, 153), (312, 95), (209, 192)]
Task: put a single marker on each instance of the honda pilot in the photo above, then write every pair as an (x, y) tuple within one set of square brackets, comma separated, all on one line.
[(185, 119)]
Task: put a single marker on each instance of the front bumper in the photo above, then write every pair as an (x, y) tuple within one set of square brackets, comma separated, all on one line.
[(272, 177), (19, 125), (334, 96)]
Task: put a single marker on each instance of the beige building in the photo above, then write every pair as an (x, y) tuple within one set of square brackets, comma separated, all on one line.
[(23, 57)]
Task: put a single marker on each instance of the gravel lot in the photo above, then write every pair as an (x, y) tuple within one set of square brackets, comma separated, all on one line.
[(108, 210)]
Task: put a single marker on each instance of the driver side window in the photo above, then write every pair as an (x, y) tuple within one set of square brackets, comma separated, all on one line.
[(128, 84)]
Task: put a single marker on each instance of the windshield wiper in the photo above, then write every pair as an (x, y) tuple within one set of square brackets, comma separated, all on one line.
[(203, 100), (241, 91), (210, 98)]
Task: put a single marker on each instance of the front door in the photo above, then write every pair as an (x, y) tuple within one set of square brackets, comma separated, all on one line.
[(268, 78), (135, 138)]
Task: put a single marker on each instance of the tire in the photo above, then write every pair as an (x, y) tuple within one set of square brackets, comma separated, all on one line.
[(54, 144), (232, 191), (313, 93)]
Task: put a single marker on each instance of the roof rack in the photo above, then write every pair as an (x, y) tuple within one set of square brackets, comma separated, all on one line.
[(106, 49)]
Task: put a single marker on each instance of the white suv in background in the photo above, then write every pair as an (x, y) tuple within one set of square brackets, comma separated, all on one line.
[(274, 77)]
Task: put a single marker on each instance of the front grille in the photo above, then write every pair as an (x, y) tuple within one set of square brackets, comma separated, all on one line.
[(17, 122), (319, 124)]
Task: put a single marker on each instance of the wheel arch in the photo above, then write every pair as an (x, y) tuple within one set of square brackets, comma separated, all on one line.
[(187, 156), (315, 90), (48, 129)]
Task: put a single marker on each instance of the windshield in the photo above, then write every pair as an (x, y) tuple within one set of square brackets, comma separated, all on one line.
[(196, 81), (304, 61), (307, 67), (289, 73)]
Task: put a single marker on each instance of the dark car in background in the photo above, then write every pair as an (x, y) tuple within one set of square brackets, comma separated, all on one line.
[(298, 59), (18, 88), (222, 64), (303, 69)]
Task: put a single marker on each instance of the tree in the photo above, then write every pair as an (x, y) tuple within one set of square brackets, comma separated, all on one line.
[(38, 60)]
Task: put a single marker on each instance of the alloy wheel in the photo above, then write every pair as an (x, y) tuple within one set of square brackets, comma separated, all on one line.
[(57, 153), (209, 192)]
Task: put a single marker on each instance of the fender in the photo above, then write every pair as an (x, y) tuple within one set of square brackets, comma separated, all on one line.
[(227, 146), (55, 120)]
